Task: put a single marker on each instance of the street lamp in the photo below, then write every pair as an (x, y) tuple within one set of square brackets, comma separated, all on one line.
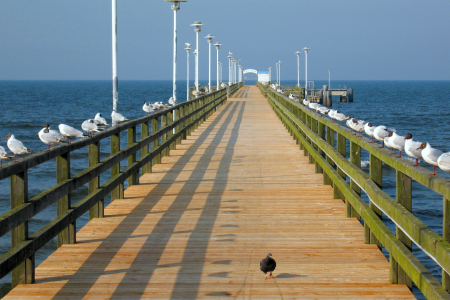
[(306, 49), (279, 73), (270, 74), (329, 80), (197, 27), (220, 65), (210, 39), (188, 49), (175, 7), (115, 77), (298, 67), (276, 69), (217, 77), (229, 67)]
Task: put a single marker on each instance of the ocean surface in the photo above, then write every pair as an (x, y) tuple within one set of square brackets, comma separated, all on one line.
[(419, 107)]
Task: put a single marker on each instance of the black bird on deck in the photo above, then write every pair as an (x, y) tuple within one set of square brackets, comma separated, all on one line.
[(267, 265)]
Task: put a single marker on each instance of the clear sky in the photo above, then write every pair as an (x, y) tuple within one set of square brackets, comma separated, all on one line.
[(355, 39)]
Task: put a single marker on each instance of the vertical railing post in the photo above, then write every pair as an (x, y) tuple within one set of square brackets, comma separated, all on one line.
[(24, 273), (404, 198), (96, 211), (342, 149), (376, 174), (355, 158), (321, 133), (155, 143), (68, 235), (117, 192), (164, 136), (446, 236), (134, 178), (147, 168), (331, 141), (170, 133)]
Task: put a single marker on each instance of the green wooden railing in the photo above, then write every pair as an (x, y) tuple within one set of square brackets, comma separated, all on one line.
[(165, 133), (326, 145)]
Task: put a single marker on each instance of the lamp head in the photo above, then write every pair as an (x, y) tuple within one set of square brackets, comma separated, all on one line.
[(298, 53), (217, 45), (306, 49), (209, 37), (188, 45), (197, 26), (176, 4)]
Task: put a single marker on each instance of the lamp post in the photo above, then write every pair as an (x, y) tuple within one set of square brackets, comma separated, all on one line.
[(220, 65), (210, 39), (329, 80), (197, 27), (115, 77), (217, 77), (175, 7), (279, 73), (276, 69), (306, 49), (298, 67), (270, 74), (188, 49), (229, 67)]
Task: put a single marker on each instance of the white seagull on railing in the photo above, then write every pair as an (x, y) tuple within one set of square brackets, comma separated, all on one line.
[(412, 148), (381, 132), (69, 132), (90, 127), (148, 107), (16, 146), (172, 101), (444, 162), (369, 128), (50, 137), (100, 121), (117, 117), (430, 155), (4, 156)]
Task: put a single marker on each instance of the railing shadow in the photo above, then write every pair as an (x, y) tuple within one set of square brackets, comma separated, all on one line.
[(96, 265)]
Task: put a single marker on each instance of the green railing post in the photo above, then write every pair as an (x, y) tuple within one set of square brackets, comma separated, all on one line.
[(342, 149), (117, 192), (134, 178), (164, 136), (355, 158), (331, 141), (147, 168), (376, 174), (170, 133), (446, 236), (68, 235), (23, 273), (155, 143), (96, 211)]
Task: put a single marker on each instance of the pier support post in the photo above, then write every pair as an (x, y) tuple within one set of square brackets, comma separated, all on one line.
[(355, 158), (376, 174), (404, 198), (117, 192), (24, 273), (97, 210)]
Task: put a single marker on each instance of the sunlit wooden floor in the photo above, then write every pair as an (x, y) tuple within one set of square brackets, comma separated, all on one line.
[(197, 227)]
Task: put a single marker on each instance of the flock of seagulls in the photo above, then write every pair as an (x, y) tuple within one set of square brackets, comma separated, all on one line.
[(389, 138), (66, 133)]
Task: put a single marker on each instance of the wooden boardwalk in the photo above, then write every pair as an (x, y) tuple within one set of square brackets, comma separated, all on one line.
[(197, 227)]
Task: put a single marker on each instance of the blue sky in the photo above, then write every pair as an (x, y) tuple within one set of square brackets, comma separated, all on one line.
[(356, 40)]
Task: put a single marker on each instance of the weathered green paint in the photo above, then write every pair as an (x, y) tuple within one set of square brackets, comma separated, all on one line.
[(24, 272), (117, 193), (446, 236), (146, 150), (68, 235), (429, 240), (355, 159), (155, 144), (96, 211), (342, 149), (376, 174)]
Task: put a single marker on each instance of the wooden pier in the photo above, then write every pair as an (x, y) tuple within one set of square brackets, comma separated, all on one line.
[(196, 227)]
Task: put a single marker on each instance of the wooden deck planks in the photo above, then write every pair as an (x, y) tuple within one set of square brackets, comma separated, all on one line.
[(197, 227)]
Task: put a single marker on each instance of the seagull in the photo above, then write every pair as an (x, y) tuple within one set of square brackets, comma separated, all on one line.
[(90, 127), (49, 137), (16, 146), (100, 121), (306, 102), (4, 156), (313, 105), (69, 132), (340, 117), (397, 142), (292, 96), (117, 117), (323, 110), (369, 128), (381, 132), (267, 265), (172, 101), (148, 108), (331, 114), (358, 126), (411, 148), (388, 144), (444, 162), (430, 155)]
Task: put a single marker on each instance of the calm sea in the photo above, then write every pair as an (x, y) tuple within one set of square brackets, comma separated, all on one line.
[(419, 107)]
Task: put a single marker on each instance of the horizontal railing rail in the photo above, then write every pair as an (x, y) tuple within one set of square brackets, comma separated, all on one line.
[(317, 136), (166, 132)]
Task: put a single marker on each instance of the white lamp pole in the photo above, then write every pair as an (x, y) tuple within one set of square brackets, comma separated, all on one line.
[(306, 49), (188, 49), (329, 80), (279, 73), (210, 39), (298, 67), (197, 27), (276, 70), (221, 80), (270, 74), (229, 67), (217, 65), (115, 77), (175, 7)]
